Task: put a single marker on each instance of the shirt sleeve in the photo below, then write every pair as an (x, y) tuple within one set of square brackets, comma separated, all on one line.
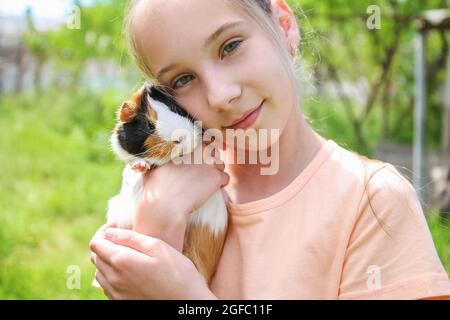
[(390, 253)]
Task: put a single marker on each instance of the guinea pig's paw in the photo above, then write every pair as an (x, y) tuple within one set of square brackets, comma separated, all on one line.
[(140, 165)]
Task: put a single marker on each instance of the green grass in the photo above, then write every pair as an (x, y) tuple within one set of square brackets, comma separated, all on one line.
[(57, 173), (440, 230)]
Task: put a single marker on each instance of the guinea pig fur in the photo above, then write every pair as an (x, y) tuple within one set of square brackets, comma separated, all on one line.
[(148, 134)]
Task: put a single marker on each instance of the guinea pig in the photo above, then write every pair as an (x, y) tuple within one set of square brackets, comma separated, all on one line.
[(152, 129)]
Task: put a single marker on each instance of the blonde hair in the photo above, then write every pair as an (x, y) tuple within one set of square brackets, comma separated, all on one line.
[(258, 11)]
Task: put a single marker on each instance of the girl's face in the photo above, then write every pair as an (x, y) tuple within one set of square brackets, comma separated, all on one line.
[(220, 64)]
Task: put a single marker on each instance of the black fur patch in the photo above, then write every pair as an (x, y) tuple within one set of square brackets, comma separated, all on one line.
[(132, 135), (161, 94)]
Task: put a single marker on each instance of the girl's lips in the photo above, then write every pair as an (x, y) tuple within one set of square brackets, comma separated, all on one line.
[(248, 119)]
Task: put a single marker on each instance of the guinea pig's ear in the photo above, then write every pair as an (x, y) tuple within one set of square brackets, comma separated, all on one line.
[(127, 112), (141, 99), (138, 97)]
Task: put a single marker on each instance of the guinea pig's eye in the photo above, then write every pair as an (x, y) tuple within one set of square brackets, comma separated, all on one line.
[(179, 80)]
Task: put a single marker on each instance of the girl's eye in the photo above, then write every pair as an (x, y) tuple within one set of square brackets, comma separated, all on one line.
[(180, 80), (228, 49), (231, 46)]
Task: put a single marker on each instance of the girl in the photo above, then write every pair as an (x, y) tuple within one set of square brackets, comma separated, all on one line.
[(328, 225)]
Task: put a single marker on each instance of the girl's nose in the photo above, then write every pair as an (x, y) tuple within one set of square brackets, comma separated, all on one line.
[(222, 91)]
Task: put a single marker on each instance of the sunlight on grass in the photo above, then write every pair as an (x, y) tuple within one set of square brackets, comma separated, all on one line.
[(56, 178)]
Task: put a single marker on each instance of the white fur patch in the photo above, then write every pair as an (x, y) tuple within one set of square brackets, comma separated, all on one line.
[(170, 127), (212, 213), (122, 207)]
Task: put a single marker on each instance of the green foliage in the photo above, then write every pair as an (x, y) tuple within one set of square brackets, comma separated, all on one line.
[(343, 52), (100, 36), (57, 174), (440, 231)]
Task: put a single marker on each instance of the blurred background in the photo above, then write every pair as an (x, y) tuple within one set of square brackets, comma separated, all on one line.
[(374, 71)]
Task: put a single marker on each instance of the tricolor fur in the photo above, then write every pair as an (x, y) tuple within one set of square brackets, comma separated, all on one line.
[(148, 129)]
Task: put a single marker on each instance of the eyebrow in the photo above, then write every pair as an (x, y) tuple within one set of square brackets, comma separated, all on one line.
[(209, 40), (219, 31)]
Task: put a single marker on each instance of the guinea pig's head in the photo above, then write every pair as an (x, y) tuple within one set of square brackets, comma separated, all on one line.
[(152, 126)]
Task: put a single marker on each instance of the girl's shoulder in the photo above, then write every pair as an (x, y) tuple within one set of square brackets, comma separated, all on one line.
[(386, 196), (373, 183), (372, 173), (389, 238)]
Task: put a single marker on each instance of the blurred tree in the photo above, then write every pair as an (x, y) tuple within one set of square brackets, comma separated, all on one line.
[(98, 38), (36, 42), (377, 63)]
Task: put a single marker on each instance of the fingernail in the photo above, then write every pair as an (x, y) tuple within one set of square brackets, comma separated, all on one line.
[(109, 232)]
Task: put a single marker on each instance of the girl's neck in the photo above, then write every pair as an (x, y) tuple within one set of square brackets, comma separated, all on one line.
[(297, 146)]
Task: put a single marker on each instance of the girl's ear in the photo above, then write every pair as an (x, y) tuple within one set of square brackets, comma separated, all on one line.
[(286, 20)]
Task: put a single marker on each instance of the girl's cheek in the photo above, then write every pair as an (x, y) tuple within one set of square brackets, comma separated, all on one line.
[(198, 110)]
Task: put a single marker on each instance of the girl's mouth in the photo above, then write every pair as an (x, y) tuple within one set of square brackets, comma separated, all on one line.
[(247, 119)]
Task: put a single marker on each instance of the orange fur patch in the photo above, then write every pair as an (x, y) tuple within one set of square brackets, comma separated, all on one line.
[(130, 108), (137, 98), (152, 116), (157, 147), (127, 111), (203, 248)]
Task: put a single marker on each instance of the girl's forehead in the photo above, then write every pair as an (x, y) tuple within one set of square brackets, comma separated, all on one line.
[(166, 28), (169, 11)]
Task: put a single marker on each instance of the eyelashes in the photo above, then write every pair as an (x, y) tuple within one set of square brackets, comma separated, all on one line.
[(174, 86), (235, 44)]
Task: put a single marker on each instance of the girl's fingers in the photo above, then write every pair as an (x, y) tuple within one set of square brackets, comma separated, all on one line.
[(93, 258), (107, 288), (103, 248), (99, 232), (225, 179), (134, 240), (103, 267)]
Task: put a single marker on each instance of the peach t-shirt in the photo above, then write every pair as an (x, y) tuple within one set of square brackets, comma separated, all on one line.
[(319, 239)]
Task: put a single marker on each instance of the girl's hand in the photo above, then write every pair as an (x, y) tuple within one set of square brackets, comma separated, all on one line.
[(172, 191), (99, 234), (134, 266)]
